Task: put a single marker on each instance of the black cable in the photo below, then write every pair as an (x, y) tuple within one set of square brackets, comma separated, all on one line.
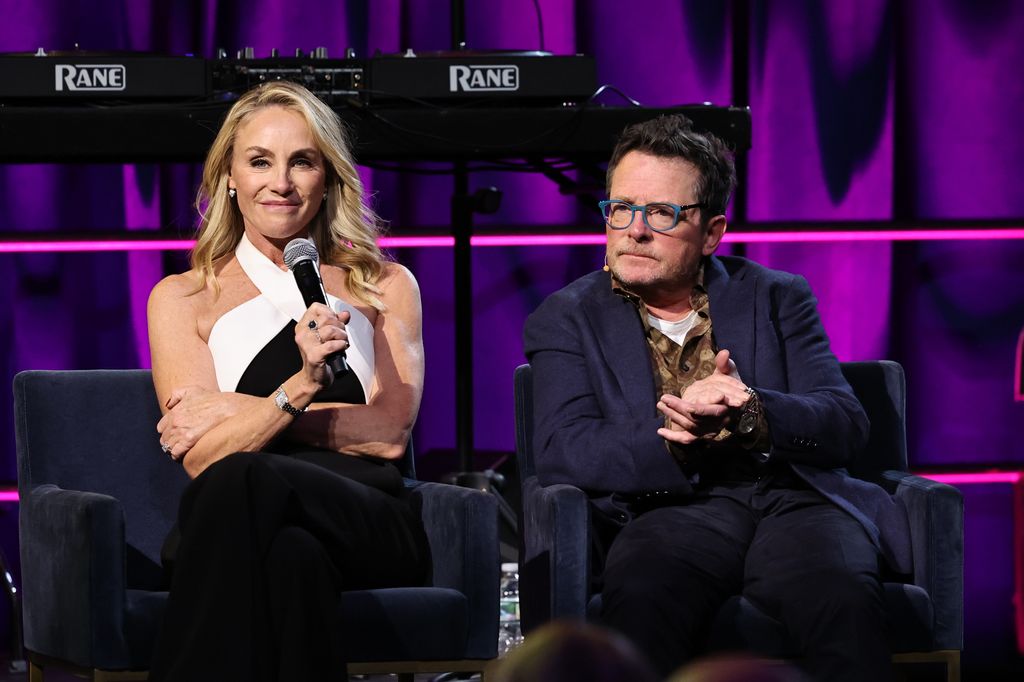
[(618, 92), (540, 23)]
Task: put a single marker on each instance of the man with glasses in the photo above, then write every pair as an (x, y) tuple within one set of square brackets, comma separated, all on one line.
[(697, 402)]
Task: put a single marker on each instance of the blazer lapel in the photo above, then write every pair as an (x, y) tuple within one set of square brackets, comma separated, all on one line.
[(620, 336), (733, 301)]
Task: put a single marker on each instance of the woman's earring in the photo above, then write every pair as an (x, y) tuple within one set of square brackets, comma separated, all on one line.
[(232, 192), (606, 268), (325, 195)]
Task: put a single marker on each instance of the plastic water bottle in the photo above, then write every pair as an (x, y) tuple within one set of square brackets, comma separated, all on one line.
[(509, 633)]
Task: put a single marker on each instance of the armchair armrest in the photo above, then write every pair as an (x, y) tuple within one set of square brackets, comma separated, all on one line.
[(935, 512), (462, 528), (73, 576), (554, 574)]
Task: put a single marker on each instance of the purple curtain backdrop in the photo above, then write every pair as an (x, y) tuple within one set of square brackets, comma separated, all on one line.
[(856, 116), (962, 305), (822, 98)]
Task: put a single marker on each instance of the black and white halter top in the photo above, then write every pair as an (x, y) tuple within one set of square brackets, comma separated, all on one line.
[(253, 344)]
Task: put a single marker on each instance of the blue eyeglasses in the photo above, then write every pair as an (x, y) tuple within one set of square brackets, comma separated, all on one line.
[(660, 217)]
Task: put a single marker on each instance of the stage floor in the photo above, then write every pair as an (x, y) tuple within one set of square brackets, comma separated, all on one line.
[(54, 675)]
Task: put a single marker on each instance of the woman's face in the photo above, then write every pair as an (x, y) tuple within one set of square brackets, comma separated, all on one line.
[(278, 173)]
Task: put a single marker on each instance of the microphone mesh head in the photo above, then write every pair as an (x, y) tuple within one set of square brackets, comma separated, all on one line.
[(298, 250)]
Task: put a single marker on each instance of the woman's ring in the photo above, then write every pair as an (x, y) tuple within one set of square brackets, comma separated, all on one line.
[(165, 447), (312, 324)]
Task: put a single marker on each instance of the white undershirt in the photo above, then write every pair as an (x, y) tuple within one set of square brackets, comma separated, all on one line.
[(677, 330)]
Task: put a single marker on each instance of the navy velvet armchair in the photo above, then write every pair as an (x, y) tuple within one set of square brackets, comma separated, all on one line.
[(98, 497), (926, 611)]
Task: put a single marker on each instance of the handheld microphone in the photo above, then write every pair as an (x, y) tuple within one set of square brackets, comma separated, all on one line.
[(302, 259)]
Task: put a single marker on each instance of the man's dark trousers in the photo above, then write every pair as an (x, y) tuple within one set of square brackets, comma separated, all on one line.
[(792, 553)]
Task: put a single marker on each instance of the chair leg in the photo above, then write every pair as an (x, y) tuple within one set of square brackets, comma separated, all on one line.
[(950, 658), (37, 664), (953, 666), (119, 675)]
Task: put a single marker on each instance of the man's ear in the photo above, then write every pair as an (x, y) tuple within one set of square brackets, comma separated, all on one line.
[(714, 233)]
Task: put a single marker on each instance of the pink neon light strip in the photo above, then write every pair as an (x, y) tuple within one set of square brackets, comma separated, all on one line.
[(89, 246), (969, 478), (180, 245), (595, 239), (875, 235), (538, 239), (415, 242)]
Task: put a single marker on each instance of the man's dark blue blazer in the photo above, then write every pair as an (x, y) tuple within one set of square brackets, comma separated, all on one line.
[(594, 397)]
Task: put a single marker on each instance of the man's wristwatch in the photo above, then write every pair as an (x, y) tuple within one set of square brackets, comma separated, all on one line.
[(751, 413), (281, 400)]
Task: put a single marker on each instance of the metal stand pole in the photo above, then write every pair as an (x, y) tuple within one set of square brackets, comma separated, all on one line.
[(463, 205), (462, 228)]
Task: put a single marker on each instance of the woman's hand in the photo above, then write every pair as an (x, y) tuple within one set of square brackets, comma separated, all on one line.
[(381, 427), (320, 332), (191, 412)]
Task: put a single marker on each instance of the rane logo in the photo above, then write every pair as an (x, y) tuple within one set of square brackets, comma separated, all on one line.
[(89, 77), (480, 78)]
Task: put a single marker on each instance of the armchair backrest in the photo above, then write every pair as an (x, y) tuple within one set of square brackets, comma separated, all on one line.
[(523, 392), (879, 385), (407, 465), (95, 431), (881, 388)]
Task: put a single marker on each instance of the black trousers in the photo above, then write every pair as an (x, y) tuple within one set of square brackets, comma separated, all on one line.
[(267, 544), (789, 551)]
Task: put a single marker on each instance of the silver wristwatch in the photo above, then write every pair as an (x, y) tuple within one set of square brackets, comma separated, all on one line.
[(281, 400), (751, 412)]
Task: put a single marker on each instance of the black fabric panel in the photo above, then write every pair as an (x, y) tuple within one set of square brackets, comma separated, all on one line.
[(280, 359)]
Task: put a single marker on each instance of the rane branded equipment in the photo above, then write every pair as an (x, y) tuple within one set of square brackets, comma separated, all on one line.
[(77, 76), (461, 78), (464, 77)]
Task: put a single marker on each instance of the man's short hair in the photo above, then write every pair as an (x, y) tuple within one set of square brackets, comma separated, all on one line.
[(673, 136)]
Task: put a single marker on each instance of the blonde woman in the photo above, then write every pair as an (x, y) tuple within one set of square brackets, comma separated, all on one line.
[(294, 498)]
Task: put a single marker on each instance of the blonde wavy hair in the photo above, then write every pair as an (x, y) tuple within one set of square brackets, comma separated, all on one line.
[(345, 229)]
